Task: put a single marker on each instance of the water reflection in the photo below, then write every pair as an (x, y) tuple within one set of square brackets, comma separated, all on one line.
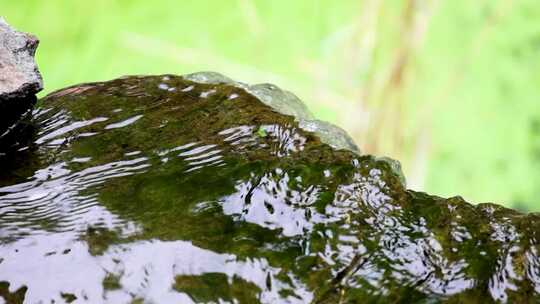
[(282, 140), (137, 273), (270, 202), (54, 199)]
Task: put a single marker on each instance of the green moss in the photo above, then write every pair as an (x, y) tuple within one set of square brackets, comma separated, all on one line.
[(99, 239), (68, 297), (111, 282), (262, 132), (216, 287), (16, 297), (333, 225)]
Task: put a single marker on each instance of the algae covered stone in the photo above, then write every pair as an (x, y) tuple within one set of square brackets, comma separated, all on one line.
[(286, 103), (171, 189)]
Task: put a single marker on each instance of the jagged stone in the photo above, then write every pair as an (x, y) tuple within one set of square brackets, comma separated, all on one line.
[(20, 79)]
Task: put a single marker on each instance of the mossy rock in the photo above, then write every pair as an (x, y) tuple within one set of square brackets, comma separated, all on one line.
[(199, 189)]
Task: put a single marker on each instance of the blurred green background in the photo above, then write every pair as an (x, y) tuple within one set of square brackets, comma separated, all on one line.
[(449, 87)]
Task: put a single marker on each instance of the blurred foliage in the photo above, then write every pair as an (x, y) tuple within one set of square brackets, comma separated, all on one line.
[(449, 87)]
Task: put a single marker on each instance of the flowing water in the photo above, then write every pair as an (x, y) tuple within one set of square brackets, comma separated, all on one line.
[(162, 190)]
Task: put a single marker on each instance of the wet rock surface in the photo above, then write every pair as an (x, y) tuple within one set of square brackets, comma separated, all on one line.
[(161, 189), (286, 103), (20, 79)]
